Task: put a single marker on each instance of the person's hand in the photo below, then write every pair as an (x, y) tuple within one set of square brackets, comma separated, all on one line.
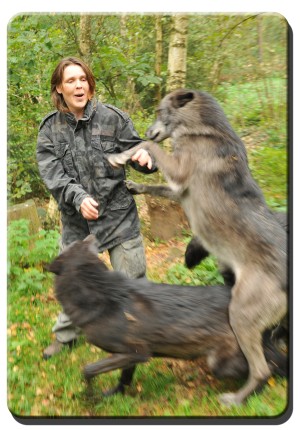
[(143, 158), (88, 208)]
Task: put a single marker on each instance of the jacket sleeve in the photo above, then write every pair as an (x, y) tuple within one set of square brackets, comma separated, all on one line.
[(68, 194), (128, 138)]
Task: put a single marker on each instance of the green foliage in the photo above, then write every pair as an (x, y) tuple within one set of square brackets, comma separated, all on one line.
[(270, 169), (30, 62), (205, 273), (235, 48), (27, 254), (260, 103), (239, 58)]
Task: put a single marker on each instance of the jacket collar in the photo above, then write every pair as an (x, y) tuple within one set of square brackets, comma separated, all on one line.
[(89, 112)]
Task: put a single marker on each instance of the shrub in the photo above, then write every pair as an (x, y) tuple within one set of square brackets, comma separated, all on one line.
[(28, 254)]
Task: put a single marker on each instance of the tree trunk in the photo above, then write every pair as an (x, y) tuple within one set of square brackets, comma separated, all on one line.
[(85, 41), (260, 39), (123, 22), (177, 52), (160, 209), (158, 54), (132, 103)]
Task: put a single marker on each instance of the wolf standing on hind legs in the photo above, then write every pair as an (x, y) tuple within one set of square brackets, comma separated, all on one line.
[(208, 171)]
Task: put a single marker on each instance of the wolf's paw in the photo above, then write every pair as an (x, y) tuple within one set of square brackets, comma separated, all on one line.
[(118, 160), (115, 390), (133, 187)]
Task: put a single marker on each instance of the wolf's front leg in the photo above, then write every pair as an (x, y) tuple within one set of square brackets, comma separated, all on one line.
[(120, 159), (153, 190)]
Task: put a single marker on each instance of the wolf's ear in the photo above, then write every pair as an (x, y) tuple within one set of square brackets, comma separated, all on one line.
[(182, 98), (55, 266)]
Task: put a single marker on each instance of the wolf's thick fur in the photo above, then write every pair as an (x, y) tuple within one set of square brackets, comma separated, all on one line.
[(208, 171), (135, 319), (195, 251)]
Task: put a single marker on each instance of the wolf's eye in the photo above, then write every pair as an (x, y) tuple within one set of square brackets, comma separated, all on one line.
[(165, 118)]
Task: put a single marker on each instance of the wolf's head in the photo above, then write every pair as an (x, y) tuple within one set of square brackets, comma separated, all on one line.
[(77, 254), (185, 112)]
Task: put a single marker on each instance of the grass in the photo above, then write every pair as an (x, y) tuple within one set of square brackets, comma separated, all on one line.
[(269, 167), (255, 104), (161, 388)]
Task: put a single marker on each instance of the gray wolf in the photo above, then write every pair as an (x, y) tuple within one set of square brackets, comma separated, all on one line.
[(208, 172), (134, 319), (195, 251)]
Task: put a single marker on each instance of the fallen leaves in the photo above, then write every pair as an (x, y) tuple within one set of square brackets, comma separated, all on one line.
[(12, 330)]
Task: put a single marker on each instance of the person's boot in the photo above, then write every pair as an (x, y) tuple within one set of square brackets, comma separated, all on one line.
[(56, 347)]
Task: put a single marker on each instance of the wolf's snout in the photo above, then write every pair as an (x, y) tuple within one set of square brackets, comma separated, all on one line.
[(152, 133), (157, 132)]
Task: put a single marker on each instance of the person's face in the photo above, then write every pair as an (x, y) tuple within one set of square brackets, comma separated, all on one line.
[(75, 89)]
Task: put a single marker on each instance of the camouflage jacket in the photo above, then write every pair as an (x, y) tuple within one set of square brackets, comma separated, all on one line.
[(72, 162)]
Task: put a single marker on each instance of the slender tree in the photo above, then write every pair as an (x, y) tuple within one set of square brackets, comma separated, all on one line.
[(158, 53), (177, 52), (85, 41), (260, 39), (157, 207)]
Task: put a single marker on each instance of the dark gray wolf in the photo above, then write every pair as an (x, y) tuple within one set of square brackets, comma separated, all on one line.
[(208, 171), (134, 319)]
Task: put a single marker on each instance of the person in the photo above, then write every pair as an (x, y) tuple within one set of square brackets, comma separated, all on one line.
[(72, 146)]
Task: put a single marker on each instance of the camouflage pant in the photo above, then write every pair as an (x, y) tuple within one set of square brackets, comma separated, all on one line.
[(129, 258)]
